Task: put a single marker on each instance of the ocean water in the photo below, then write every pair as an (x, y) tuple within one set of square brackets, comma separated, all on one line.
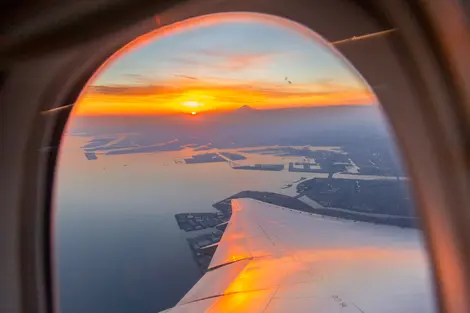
[(117, 245)]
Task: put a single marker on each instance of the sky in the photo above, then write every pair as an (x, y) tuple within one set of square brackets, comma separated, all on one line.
[(221, 66)]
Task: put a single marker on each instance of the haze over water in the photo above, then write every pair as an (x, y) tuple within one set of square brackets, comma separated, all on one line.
[(123, 172), (118, 242)]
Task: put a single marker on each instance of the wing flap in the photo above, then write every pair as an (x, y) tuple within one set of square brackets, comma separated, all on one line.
[(215, 283)]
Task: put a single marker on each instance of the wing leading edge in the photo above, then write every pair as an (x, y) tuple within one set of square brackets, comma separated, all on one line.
[(274, 259)]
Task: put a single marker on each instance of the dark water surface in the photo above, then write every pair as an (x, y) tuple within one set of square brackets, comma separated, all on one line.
[(118, 246)]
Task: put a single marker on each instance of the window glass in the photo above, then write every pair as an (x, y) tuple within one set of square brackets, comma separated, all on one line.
[(169, 131)]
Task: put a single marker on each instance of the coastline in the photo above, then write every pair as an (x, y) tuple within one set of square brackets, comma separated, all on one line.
[(294, 203)]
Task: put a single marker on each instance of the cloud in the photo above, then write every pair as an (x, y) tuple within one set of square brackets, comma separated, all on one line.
[(225, 61), (120, 90), (243, 62), (185, 76), (171, 96), (138, 78), (253, 88), (237, 61)]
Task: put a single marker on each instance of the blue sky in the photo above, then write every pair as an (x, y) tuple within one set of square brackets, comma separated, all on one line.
[(222, 65), (270, 53)]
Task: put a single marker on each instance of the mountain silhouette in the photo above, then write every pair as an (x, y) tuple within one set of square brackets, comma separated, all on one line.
[(245, 108)]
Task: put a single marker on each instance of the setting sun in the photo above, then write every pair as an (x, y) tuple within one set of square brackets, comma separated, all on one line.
[(192, 107), (209, 76)]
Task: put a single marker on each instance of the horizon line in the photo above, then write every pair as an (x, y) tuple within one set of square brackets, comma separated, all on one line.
[(212, 112)]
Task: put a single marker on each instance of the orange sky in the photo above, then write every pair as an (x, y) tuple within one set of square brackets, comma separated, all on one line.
[(186, 98), (222, 63)]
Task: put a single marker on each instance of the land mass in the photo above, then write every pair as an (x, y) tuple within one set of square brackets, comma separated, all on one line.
[(384, 202), (379, 202)]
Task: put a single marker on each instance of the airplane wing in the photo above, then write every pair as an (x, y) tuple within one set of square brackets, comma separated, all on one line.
[(274, 259)]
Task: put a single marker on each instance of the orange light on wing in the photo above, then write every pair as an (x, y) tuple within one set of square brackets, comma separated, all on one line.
[(255, 301), (265, 273)]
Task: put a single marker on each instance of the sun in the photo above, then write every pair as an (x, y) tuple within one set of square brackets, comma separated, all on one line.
[(192, 107)]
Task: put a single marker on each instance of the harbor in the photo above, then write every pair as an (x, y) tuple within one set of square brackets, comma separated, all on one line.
[(198, 221)]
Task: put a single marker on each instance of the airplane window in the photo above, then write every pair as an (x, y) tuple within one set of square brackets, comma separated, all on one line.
[(251, 121)]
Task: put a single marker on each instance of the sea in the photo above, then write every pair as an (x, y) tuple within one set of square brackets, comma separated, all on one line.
[(117, 246)]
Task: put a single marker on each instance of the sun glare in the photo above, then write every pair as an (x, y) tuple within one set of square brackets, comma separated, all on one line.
[(223, 80), (193, 113), (192, 104)]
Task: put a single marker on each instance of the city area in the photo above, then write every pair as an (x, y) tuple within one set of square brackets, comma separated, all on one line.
[(385, 202)]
